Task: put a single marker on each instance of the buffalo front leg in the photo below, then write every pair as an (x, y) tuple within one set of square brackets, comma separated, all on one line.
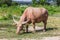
[(33, 27), (27, 28), (44, 25)]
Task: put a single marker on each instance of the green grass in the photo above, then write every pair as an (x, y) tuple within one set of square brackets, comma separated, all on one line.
[(7, 30)]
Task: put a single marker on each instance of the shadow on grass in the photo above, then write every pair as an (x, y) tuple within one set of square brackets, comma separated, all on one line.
[(47, 29), (40, 30), (26, 32)]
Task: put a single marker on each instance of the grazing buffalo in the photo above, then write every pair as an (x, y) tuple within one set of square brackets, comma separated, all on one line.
[(32, 15)]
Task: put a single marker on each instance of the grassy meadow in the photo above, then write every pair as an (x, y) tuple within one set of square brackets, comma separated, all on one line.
[(8, 30)]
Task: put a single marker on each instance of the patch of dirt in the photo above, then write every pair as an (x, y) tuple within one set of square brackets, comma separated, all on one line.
[(51, 38), (2, 29)]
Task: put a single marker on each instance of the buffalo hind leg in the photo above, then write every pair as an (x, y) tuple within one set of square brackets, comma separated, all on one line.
[(45, 22)]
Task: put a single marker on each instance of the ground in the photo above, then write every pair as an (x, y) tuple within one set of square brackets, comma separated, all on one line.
[(8, 30), (44, 38)]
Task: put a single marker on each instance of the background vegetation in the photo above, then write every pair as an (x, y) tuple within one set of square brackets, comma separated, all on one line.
[(8, 12), (9, 8)]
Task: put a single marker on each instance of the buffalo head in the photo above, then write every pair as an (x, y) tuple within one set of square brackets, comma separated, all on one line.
[(19, 25)]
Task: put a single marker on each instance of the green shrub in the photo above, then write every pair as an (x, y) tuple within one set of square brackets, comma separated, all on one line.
[(6, 17), (4, 5), (52, 9), (8, 12)]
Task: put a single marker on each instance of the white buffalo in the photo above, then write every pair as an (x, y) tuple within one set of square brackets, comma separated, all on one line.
[(32, 15)]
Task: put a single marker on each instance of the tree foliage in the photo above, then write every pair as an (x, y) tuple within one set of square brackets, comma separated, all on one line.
[(34, 2), (8, 2), (58, 2), (41, 2)]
